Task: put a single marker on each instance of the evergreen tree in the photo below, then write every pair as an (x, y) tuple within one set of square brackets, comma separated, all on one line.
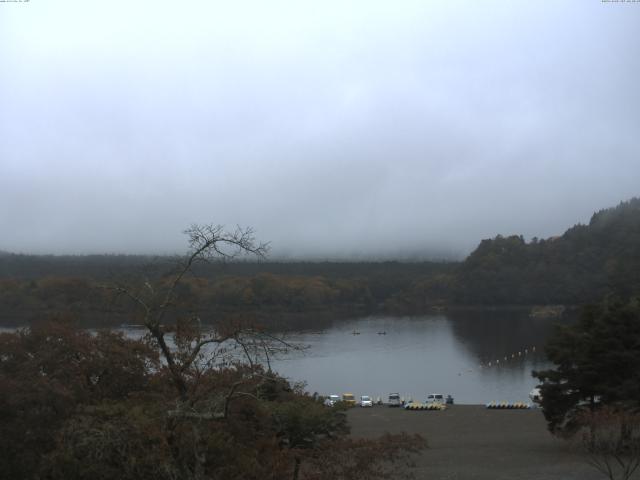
[(597, 363)]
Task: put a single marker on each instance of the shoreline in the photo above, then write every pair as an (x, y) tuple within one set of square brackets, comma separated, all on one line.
[(287, 320)]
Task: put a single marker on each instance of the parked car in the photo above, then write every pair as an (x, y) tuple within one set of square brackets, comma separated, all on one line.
[(349, 399), (394, 400), (365, 401), (535, 395), (435, 398), (331, 400)]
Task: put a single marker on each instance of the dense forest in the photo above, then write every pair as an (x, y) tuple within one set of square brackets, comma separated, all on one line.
[(583, 265), (587, 262), (34, 286)]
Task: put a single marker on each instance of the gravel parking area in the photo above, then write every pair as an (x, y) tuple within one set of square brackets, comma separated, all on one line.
[(472, 442)]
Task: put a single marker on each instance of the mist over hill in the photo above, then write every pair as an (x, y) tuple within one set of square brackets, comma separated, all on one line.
[(582, 265)]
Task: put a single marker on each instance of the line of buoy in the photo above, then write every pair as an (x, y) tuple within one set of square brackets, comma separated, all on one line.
[(425, 406), (506, 358), (508, 405)]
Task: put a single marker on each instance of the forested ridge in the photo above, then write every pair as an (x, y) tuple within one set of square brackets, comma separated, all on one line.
[(584, 264), (31, 286)]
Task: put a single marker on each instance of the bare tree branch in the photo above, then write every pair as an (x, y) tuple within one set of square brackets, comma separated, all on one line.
[(198, 347), (205, 242)]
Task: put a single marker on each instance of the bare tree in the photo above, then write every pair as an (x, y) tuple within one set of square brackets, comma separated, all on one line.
[(192, 347), (610, 438), (191, 351), (222, 371)]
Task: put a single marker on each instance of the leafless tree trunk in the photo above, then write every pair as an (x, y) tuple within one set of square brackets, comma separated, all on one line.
[(189, 350), (205, 242)]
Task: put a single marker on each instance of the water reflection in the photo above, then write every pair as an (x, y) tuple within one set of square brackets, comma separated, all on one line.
[(428, 354), (471, 355)]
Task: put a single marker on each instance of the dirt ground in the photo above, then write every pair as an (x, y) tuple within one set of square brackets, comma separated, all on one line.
[(471, 442)]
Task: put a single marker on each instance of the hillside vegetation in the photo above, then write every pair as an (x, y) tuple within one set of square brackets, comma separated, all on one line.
[(583, 265)]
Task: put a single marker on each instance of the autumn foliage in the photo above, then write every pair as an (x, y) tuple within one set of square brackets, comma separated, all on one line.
[(76, 404)]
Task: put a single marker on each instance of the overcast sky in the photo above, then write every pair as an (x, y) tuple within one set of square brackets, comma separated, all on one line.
[(334, 128)]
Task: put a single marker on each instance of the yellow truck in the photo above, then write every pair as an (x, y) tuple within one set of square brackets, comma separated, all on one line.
[(349, 399)]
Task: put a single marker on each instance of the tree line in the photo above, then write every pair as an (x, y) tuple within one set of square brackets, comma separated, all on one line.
[(587, 262)]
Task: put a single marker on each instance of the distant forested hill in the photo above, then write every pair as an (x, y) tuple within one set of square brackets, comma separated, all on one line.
[(33, 287), (581, 266)]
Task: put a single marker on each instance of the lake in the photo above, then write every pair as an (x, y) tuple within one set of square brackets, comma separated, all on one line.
[(477, 357)]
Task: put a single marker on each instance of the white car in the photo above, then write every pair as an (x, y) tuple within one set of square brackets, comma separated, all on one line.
[(535, 395), (331, 400), (395, 400), (435, 398), (366, 401)]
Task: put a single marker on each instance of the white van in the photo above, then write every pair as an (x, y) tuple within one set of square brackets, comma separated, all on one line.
[(395, 400), (535, 395), (435, 398)]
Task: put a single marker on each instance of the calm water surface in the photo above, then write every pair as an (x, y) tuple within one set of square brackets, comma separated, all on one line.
[(462, 355), (477, 357)]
